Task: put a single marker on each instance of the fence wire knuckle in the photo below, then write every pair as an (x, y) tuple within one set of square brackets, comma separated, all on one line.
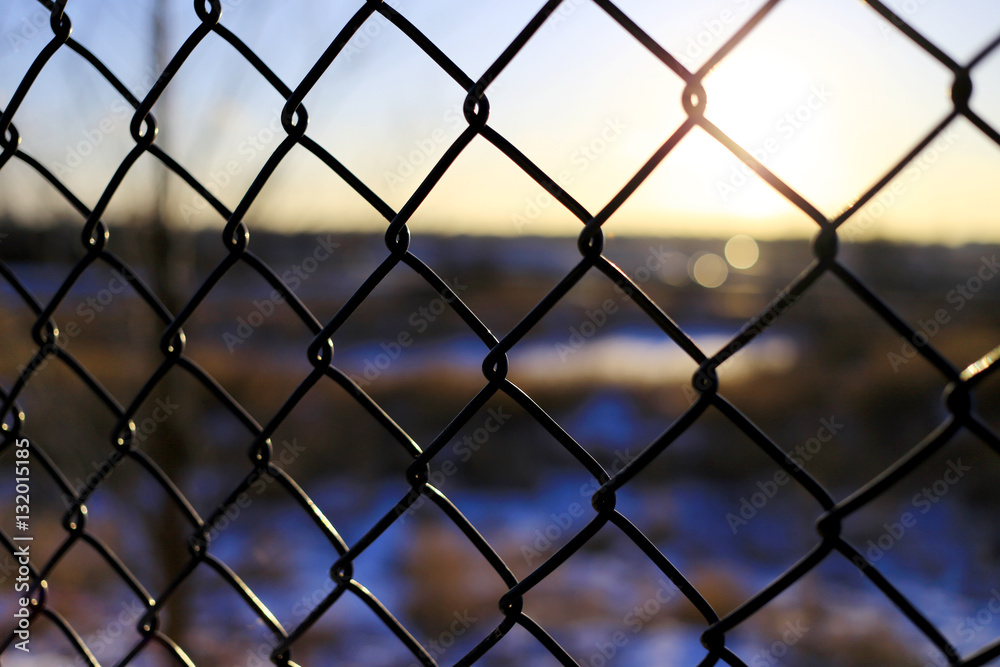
[(263, 464)]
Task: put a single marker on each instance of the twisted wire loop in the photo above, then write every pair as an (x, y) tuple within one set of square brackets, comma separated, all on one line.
[(236, 244)]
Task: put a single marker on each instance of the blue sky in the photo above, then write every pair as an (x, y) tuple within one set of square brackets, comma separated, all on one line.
[(825, 92)]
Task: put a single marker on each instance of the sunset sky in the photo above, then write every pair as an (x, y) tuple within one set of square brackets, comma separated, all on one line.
[(826, 92)]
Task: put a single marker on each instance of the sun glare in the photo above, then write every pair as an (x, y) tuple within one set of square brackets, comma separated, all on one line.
[(742, 252), (755, 96)]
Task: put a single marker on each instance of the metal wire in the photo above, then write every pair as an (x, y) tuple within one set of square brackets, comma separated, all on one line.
[(235, 241)]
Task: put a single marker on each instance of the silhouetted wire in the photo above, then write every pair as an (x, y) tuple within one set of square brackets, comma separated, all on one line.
[(320, 353)]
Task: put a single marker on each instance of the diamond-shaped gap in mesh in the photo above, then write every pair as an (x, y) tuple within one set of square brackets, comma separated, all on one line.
[(21, 187), (110, 330), (856, 413), (322, 266), (411, 570), (390, 129), (134, 199), (609, 600), (521, 488), (701, 189), (57, 396), (712, 287), (255, 537), (451, 590), (945, 195), (247, 337), (128, 56), (96, 602), (135, 517), (831, 617), (212, 622), (200, 446), (404, 338), (304, 194), (947, 295), (485, 188), (985, 93), (587, 335), (586, 125), (345, 460), (502, 277), (722, 510), (931, 533), (960, 29), (603, 370), (224, 137), (827, 89), (79, 128)]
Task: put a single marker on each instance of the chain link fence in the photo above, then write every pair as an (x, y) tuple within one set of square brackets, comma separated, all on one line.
[(268, 461)]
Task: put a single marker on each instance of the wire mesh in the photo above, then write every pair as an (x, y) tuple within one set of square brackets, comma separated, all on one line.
[(416, 485)]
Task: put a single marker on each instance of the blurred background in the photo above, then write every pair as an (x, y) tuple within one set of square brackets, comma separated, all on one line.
[(827, 95)]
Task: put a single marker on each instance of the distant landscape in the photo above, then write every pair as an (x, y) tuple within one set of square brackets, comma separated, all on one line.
[(830, 383)]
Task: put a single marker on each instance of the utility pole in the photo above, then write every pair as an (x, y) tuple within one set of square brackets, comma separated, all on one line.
[(169, 254)]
